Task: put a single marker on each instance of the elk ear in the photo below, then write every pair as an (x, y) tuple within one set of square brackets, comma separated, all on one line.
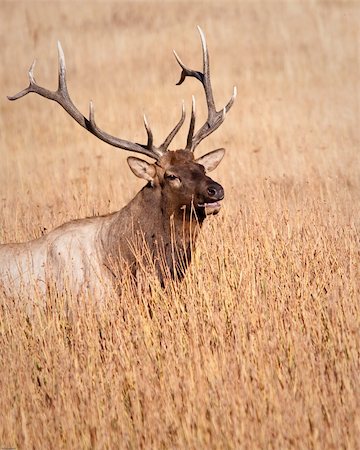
[(141, 168), (212, 159)]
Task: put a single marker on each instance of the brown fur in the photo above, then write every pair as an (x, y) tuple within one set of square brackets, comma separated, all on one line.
[(165, 218)]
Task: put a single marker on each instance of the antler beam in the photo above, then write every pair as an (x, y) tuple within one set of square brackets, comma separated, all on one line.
[(215, 118), (62, 97)]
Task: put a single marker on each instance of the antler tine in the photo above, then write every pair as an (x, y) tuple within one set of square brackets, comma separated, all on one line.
[(164, 146), (152, 151), (61, 96), (62, 69), (215, 118), (29, 88), (149, 133), (232, 99), (186, 72), (192, 125), (206, 74)]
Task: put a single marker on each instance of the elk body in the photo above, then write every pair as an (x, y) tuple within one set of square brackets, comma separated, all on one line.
[(164, 217)]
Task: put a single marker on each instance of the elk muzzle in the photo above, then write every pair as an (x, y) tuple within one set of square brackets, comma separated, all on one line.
[(214, 195)]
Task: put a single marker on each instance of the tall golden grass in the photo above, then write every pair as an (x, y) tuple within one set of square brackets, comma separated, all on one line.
[(259, 346)]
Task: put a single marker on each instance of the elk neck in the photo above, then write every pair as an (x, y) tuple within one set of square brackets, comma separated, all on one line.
[(150, 219)]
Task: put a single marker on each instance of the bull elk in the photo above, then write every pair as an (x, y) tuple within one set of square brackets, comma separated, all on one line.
[(165, 215)]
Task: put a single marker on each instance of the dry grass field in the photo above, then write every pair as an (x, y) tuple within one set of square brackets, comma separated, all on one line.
[(258, 348)]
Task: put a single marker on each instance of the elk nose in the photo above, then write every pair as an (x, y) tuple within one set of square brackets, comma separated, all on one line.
[(215, 191)]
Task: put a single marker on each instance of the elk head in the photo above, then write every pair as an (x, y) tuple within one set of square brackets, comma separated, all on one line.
[(181, 178)]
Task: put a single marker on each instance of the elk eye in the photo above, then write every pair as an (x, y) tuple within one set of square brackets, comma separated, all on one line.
[(171, 177)]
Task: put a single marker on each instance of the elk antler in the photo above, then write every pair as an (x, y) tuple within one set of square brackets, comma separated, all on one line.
[(62, 97), (215, 118)]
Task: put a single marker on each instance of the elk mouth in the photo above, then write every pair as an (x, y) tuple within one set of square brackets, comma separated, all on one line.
[(211, 207)]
